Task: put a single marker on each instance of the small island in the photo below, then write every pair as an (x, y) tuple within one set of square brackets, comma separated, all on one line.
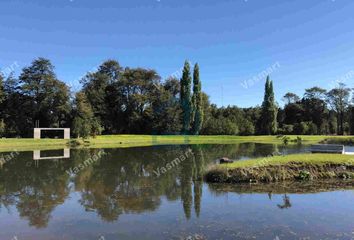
[(284, 168)]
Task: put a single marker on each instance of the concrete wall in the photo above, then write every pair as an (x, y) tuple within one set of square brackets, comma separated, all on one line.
[(67, 133), (37, 155), (37, 132)]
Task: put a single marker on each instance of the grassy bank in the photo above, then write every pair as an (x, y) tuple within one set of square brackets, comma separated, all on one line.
[(114, 141), (284, 168)]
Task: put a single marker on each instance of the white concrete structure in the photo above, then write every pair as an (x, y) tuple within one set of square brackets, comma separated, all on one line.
[(37, 155), (37, 132)]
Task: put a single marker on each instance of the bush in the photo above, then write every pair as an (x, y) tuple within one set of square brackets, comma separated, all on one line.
[(286, 140), (220, 126), (304, 175), (287, 129), (216, 175)]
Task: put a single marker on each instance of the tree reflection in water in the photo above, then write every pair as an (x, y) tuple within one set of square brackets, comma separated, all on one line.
[(34, 191), (122, 181), (286, 202)]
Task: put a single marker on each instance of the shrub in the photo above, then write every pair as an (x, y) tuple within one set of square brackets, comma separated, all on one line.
[(217, 175), (287, 129), (304, 175), (286, 140)]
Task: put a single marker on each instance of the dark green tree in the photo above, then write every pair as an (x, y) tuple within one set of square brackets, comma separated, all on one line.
[(185, 98), (268, 122), (2, 98), (132, 100), (96, 86), (338, 99), (45, 95), (293, 110), (197, 102), (167, 109), (351, 120), (16, 116), (315, 109), (2, 91), (290, 98), (273, 109), (84, 124)]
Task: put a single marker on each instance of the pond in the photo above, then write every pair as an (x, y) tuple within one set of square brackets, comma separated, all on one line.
[(158, 193)]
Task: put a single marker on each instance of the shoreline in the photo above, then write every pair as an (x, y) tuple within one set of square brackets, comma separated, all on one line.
[(122, 141)]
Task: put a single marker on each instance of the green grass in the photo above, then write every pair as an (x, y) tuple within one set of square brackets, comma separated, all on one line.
[(148, 140), (115, 141), (310, 159), (23, 144)]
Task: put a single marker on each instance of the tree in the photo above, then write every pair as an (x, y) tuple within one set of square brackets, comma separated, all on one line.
[(315, 108), (186, 98), (2, 91), (338, 99), (293, 113), (315, 93), (131, 100), (273, 110), (268, 121), (2, 98), (197, 102), (167, 108), (45, 95), (96, 86), (351, 120), (290, 98), (15, 112), (84, 124)]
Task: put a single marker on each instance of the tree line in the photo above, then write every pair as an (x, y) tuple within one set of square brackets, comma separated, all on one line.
[(113, 100), (123, 100)]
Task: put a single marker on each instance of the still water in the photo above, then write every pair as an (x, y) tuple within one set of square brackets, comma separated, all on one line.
[(145, 193)]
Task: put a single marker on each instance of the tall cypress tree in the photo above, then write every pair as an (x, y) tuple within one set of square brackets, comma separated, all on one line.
[(2, 92), (2, 98), (268, 124), (186, 81), (197, 112), (273, 110)]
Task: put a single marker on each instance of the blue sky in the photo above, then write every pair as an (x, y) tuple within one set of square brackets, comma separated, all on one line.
[(312, 42)]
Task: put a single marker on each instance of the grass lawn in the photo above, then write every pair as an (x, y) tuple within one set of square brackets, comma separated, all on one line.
[(114, 141), (148, 140), (23, 144)]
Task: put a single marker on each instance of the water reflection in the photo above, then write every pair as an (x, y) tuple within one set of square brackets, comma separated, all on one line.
[(51, 154), (121, 182), (286, 202), (34, 191)]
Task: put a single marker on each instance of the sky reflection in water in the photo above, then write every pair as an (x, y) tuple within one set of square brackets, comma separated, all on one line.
[(120, 197)]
